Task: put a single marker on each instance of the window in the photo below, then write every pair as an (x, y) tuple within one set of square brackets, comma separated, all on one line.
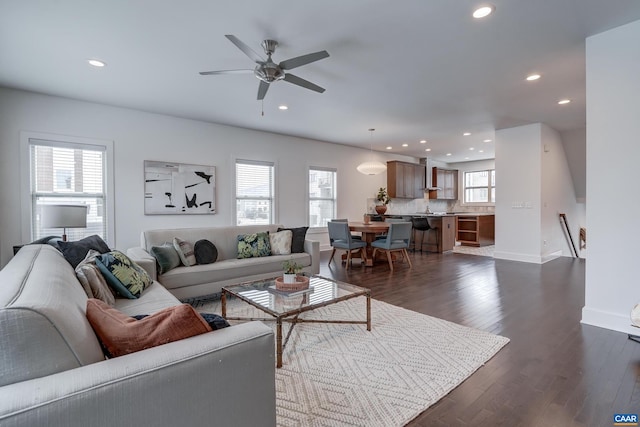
[(322, 196), (254, 192), (68, 173), (480, 186)]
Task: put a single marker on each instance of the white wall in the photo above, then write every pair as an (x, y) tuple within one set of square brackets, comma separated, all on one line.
[(613, 125), (139, 136), (518, 169), (575, 148)]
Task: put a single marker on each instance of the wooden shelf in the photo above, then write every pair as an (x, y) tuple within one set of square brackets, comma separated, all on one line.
[(475, 230)]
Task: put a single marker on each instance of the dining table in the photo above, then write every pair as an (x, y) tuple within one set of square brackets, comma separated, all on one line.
[(369, 232)]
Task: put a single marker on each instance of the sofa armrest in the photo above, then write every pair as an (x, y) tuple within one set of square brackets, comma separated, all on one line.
[(224, 377), (144, 259), (312, 247)]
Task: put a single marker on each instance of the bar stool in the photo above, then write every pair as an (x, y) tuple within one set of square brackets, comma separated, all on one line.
[(418, 225)]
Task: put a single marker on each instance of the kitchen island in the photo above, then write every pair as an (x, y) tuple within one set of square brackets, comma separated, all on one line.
[(441, 237)]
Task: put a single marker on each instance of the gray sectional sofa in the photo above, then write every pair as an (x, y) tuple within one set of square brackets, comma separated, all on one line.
[(198, 280), (53, 372)]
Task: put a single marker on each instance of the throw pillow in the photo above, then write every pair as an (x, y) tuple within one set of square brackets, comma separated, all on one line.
[(166, 256), (92, 280), (74, 252), (253, 245), (297, 240), (205, 252), (124, 276), (280, 242), (120, 334), (185, 251)]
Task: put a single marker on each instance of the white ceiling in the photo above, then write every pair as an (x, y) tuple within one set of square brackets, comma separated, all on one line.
[(412, 69)]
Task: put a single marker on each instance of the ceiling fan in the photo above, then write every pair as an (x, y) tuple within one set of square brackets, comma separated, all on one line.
[(268, 71)]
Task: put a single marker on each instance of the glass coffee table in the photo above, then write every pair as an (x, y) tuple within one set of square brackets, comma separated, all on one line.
[(287, 306)]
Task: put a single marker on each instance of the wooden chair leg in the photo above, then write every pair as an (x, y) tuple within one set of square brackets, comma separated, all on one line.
[(390, 260), (406, 255), (348, 258), (332, 254)]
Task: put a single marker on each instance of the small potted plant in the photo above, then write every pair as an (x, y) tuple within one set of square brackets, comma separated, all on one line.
[(383, 200), (291, 270)]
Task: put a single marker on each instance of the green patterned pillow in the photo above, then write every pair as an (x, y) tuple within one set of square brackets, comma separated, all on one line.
[(126, 277), (253, 245)]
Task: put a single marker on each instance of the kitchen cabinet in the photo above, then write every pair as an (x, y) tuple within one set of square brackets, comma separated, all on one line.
[(405, 180), (475, 230), (442, 236), (447, 182)]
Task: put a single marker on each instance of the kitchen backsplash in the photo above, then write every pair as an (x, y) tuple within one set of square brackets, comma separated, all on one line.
[(404, 206)]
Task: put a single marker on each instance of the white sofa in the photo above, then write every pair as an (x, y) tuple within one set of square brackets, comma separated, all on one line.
[(198, 280), (53, 372)]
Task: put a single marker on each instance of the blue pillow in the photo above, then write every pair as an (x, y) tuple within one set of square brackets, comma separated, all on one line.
[(124, 276), (254, 245)]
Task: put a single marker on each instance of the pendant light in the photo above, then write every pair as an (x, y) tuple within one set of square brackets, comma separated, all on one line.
[(371, 167)]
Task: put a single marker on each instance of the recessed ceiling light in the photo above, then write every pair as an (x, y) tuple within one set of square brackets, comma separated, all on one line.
[(423, 141), (564, 101), (405, 145), (389, 147), (427, 149), (466, 158), (483, 11), (471, 148), (480, 151), (283, 107), (466, 134), (487, 140), (448, 154), (533, 77), (96, 62)]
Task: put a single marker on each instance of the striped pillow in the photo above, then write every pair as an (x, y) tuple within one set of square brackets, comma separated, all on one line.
[(185, 251)]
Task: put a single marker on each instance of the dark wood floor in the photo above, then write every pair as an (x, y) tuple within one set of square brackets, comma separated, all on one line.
[(554, 372)]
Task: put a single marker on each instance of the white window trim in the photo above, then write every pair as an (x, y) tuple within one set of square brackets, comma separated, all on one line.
[(463, 187), (276, 201), (318, 230), (25, 179)]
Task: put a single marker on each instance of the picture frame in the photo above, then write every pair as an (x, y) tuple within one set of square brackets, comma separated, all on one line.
[(179, 189)]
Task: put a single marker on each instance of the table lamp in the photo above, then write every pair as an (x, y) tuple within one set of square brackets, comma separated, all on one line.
[(64, 216)]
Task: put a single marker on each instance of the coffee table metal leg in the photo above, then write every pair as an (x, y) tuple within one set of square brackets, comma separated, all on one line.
[(368, 312), (278, 343), (223, 300)]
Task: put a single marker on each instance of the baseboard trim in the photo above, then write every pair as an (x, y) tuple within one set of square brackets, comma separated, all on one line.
[(512, 256), (607, 320)]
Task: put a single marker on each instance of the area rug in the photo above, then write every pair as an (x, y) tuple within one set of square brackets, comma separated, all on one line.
[(342, 375), (470, 250)]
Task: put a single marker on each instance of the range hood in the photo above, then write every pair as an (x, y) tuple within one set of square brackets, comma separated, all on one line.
[(428, 186)]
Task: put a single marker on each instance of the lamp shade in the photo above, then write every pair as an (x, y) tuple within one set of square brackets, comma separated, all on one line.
[(371, 168), (64, 216)]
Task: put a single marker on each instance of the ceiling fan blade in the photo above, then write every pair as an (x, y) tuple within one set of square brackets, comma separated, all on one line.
[(302, 82), (242, 71), (292, 63), (246, 49), (262, 90)]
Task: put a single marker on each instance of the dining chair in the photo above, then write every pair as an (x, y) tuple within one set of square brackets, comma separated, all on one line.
[(397, 240), (340, 238), (353, 236)]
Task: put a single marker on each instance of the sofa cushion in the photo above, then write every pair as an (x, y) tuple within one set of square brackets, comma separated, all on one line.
[(92, 280), (297, 239), (43, 327), (75, 252), (166, 256), (123, 275), (205, 252), (253, 245), (229, 269), (185, 251), (121, 334), (280, 242)]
